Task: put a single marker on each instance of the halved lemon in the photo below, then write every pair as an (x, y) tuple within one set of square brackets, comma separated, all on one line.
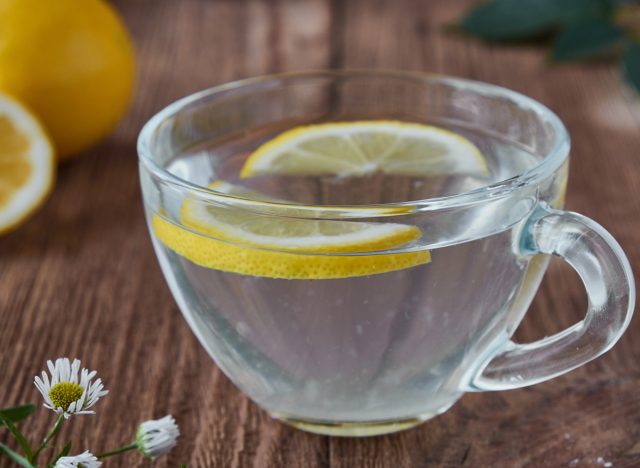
[(358, 148), (245, 238), (26, 163)]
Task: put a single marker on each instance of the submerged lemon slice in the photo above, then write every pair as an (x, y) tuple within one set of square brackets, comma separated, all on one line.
[(290, 234), (221, 255), (242, 237), (26, 164), (358, 148)]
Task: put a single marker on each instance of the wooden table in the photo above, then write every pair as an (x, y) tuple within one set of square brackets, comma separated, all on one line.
[(80, 278)]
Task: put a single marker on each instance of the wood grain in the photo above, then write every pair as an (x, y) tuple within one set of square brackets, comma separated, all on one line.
[(80, 278)]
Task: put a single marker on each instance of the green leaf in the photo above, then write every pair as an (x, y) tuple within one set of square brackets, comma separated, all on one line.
[(576, 11), (19, 459), (26, 448), (631, 65), (503, 20), (587, 40), (17, 413)]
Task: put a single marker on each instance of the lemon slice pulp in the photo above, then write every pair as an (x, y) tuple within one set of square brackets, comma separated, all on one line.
[(358, 148), (290, 234), (26, 164), (243, 241)]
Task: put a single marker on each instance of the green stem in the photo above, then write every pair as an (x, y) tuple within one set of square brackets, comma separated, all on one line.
[(52, 433), (126, 448)]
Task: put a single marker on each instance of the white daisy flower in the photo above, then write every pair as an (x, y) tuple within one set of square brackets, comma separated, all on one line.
[(157, 436), (67, 393), (84, 460)]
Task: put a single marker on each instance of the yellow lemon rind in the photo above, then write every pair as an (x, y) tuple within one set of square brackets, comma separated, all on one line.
[(224, 256)]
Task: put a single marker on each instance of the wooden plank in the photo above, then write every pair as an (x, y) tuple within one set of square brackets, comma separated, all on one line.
[(552, 424), (80, 278)]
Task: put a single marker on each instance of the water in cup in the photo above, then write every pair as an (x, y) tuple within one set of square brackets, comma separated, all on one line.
[(330, 320)]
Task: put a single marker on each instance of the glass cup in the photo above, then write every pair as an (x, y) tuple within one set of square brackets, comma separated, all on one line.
[(374, 340)]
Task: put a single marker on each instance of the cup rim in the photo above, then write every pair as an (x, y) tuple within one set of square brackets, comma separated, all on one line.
[(551, 161)]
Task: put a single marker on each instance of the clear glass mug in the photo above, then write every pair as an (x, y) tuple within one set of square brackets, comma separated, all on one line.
[(371, 354)]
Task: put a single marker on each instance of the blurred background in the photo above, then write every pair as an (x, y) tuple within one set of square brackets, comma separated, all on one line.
[(79, 277)]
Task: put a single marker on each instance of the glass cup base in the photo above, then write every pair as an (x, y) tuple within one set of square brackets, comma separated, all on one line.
[(356, 428)]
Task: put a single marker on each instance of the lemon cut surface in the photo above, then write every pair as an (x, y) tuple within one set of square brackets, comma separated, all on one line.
[(265, 246), (26, 164), (360, 148)]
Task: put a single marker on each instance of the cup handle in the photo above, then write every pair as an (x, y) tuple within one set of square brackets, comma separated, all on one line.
[(607, 277)]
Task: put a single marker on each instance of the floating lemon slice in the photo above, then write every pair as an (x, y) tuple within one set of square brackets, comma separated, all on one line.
[(26, 164), (245, 236), (358, 148)]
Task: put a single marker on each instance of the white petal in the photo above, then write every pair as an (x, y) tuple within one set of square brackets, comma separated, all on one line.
[(157, 437), (45, 379), (72, 407), (84, 377), (86, 459), (55, 376), (74, 371), (63, 369), (40, 386)]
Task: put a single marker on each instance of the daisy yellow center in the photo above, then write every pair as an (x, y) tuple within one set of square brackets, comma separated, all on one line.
[(63, 394)]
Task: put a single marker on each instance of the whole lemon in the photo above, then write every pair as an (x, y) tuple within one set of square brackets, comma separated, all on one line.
[(72, 62)]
